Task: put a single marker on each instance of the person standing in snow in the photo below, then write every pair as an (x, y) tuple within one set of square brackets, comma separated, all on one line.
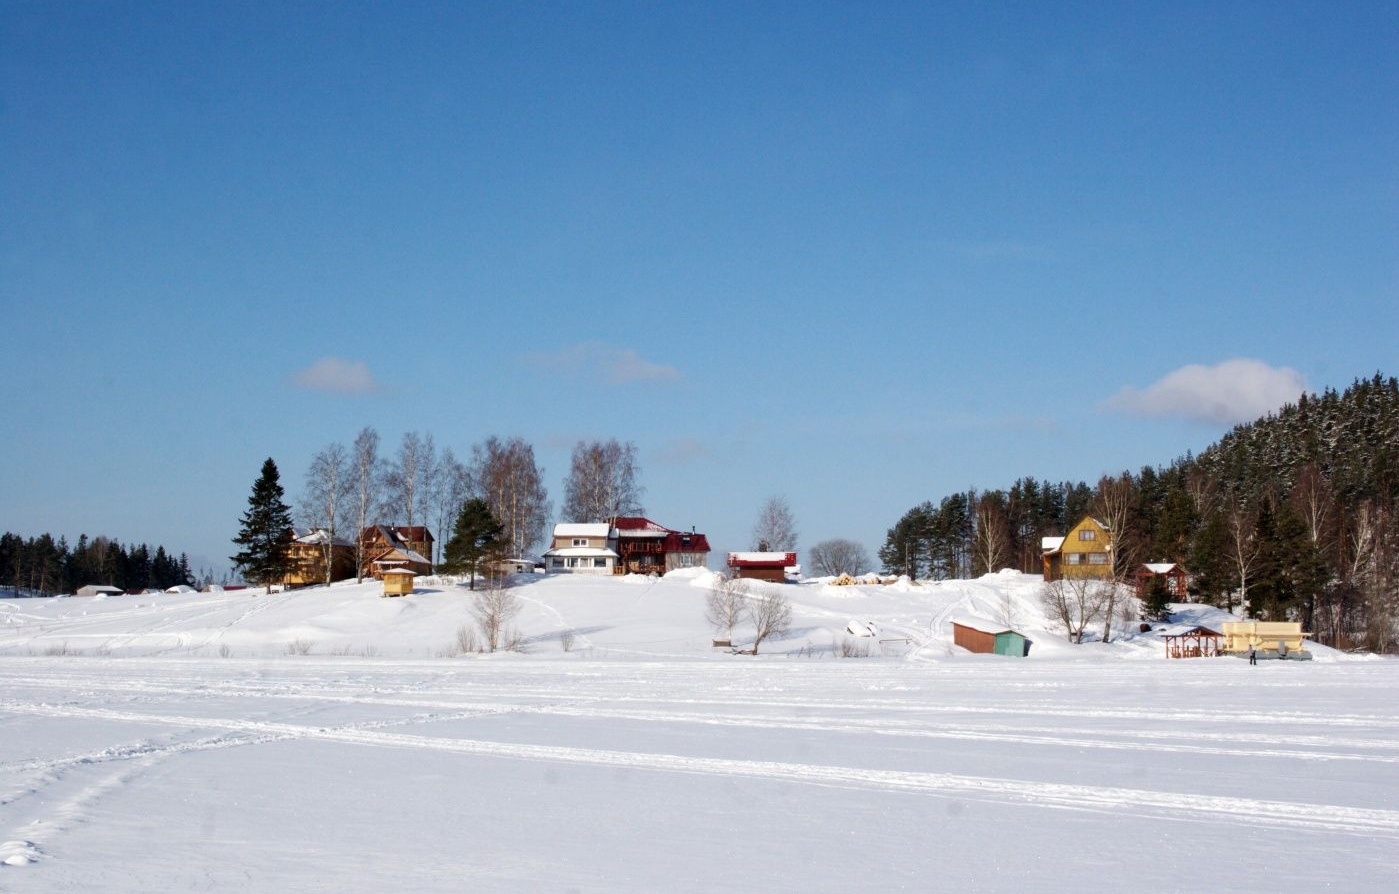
[(1252, 654)]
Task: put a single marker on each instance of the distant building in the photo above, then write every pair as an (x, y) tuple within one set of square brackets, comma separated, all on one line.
[(1084, 552), (307, 554), (645, 547), (581, 549), (388, 547), (1174, 576), (626, 545), (769, 566), (100, 590)]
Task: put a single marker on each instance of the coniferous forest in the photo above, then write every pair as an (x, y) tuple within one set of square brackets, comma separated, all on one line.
[(1289, 517), (43, 566)]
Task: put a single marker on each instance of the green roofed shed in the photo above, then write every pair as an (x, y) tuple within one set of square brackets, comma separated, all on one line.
[(989, 638)]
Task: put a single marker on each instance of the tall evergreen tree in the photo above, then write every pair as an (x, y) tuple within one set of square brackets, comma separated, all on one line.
[(476, 538), (264, 533)]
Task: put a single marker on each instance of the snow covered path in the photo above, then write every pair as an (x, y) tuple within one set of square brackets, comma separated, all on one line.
[(526, 774)]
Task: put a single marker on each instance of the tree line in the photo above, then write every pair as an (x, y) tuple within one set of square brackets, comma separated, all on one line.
[(1292, 516), (45, 566)]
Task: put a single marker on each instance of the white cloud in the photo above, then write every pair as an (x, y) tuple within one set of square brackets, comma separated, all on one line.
[(337, 376), (1239, 390), (606, 364)]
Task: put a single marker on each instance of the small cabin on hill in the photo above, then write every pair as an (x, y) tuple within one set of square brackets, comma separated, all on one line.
[(989, 638), (1171, 575), (1084, 552), (768, 566)]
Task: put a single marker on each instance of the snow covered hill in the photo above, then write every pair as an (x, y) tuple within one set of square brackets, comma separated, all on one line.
[(613, 617), (330, 739)]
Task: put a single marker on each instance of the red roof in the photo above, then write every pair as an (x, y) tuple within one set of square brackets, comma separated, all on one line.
[(762, 560), (675, 541)]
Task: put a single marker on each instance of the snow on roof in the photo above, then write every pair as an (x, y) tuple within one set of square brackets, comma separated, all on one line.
[(1049, 544), (637, 526), (596, 552), (574, 529), (985, 625), (1160, 567), (768, 558)]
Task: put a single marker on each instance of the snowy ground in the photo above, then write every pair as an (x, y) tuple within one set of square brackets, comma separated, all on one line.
[(172, 743)]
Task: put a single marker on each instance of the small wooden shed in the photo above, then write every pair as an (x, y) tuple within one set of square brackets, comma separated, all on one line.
[(398, 582), (989, 638), (769, 566)]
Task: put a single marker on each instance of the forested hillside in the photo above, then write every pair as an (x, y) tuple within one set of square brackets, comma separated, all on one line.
[(1292, 516)]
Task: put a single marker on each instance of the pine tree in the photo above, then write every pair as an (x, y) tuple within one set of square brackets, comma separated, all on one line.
[(264, 532), (476, 537)]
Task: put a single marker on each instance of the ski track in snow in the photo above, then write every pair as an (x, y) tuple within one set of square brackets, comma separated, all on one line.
[(1190, 806)]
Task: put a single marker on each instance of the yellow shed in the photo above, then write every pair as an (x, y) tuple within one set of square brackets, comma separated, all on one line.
[(398, 582)]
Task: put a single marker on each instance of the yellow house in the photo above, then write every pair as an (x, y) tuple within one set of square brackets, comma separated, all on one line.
[(1084, 552)]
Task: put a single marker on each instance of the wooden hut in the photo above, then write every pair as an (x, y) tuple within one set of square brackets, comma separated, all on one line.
[(989, 638), (398, 581)]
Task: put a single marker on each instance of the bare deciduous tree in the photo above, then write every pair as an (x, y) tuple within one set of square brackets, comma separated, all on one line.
[(504, 474), (724, 605), (776, 529), (327, 482), (409, 478), (992, 533), (1076, 602), (1113, 505), (493, 609), (365, 482), (770, 613), (448, 490), (1243, 546), (602, 482), (830, 558)]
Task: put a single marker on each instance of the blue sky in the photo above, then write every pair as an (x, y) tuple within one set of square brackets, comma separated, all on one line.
[(861, 255)]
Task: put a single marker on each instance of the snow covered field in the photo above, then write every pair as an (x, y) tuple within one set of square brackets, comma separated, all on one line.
[(173, 743)]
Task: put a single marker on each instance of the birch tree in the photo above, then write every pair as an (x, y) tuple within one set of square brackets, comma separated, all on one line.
[(776, 529), (504, 474), (365, 484), (602, 482), (327, 482)]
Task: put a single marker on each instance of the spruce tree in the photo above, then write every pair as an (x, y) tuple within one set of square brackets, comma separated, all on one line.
[(264, 533), (476, 537)]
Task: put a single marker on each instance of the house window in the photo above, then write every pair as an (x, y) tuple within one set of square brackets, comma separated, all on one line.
[(558, 563), (1097, 558), (1073, 558), (1087, 535), (599, 563), (580, 541)]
